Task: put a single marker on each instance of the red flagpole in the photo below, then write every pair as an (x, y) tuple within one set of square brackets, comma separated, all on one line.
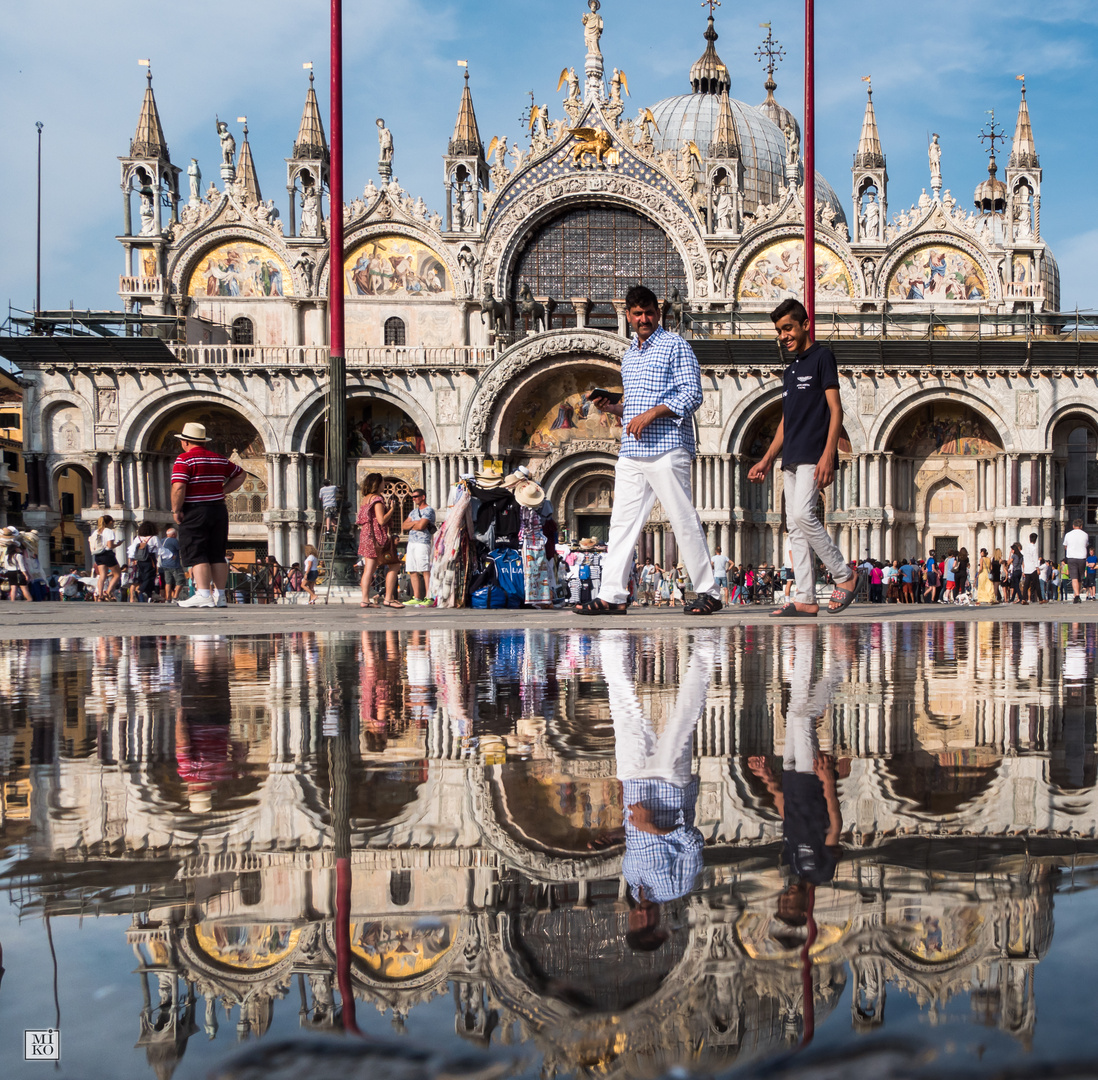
[(335, 189), (809, 168)]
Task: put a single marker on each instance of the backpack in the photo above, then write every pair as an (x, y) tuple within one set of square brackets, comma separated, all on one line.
[(142, 555), (584, 572), (96, 543)]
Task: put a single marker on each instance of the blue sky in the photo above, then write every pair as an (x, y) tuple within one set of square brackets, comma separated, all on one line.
[(936, 67)]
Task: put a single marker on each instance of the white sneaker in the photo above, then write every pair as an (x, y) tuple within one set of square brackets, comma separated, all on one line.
[(219, 599), (197, 601)]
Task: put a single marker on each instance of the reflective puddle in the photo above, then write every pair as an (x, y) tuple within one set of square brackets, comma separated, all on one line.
[(537, 853)]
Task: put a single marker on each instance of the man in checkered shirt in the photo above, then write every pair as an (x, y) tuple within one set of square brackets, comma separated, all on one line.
[(662, 383)]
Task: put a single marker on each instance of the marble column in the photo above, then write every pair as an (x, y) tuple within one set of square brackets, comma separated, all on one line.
[(117, 492), (141, 478)]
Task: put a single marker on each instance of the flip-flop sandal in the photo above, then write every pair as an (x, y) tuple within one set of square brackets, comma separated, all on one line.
[(600, 607), (843, 597), (791, 611), (704, 604)]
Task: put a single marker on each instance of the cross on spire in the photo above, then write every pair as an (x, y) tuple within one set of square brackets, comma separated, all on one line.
[(770, 51), (711, 4), (993, 133)]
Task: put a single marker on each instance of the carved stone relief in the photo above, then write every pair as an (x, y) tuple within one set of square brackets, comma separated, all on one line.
[(1026, 408)]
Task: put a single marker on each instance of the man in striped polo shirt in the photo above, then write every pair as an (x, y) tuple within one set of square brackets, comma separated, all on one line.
[(201, 478)]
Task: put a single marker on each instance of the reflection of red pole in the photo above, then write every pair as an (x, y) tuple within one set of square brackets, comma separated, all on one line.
[(809, 168), (806, 965), (343, 945), (335, 189)]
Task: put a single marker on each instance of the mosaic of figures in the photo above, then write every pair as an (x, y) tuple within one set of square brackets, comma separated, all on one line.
[(556, 410), (380, 428), (240, 268), (402, 948), (777, 273), (229, 433), (251, 946), (394, 266), (947, 430), (939, 272)]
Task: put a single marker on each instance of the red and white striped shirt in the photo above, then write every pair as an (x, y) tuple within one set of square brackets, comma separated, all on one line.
[(204, 471)]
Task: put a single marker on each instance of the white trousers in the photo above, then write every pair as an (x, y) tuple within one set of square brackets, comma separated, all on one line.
[(640, 752), (638, 483), (807, 533)]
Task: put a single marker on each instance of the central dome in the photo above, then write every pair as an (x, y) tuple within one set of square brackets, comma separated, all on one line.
[(694, 118)]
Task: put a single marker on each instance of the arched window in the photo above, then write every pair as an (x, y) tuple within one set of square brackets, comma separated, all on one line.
[(597, 252), (394, 331), (242, 331)]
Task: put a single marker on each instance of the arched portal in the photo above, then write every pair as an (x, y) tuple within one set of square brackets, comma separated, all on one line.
[(942, 479), (74, 491), (1075, 471), (230, 434)]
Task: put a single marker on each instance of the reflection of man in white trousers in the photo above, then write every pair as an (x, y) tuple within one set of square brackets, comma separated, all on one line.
[(663, 849)]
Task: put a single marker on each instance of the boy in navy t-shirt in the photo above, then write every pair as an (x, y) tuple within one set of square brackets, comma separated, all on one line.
[(808, 440)]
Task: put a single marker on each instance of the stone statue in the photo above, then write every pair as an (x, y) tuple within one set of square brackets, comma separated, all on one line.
[(1021, 211), (459, 208), (310, 211), (616, 83), (194, 175), (385, 150), (228, 143), (924, 200), (726, 208), (148, 211), (468, 263), (369, 192), (719, 261), (306, 264), (469, 207), (934, 153), (592, 29), (573, 84), (871, 219), (792, 144)]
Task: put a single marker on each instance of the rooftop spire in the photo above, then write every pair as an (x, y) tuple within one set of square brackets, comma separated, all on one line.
[(1023, 152), (148, 141), (726, 142), (310, 144), (466, 138), (869, 154), (771, 53), (709, 75), (247, 183)]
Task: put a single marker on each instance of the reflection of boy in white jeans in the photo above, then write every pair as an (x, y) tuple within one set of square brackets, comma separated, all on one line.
[(808, 440)]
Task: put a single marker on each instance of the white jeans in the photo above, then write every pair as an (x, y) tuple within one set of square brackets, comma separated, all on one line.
[(638, 483), (807, 533), (640, 752)]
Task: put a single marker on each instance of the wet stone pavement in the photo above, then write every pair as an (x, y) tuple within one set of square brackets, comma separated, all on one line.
[(811, 850)]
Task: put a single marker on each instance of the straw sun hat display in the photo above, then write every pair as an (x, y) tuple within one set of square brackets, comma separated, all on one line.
[(192, 433), (529, 494)]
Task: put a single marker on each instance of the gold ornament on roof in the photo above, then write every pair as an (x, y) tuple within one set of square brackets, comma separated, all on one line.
[(592, 141)]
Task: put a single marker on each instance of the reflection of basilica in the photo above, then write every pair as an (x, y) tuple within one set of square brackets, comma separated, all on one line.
[(484, 810), (476, 332)]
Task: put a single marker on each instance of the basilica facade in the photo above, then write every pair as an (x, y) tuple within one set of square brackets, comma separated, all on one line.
[(474, 333)]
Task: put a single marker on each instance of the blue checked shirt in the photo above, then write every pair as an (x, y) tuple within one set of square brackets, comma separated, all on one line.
[(663, 372), (666, 867)]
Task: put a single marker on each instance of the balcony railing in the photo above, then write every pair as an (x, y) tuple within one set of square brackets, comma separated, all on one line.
[(315, 356), (146, 286), (1025, 290)]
